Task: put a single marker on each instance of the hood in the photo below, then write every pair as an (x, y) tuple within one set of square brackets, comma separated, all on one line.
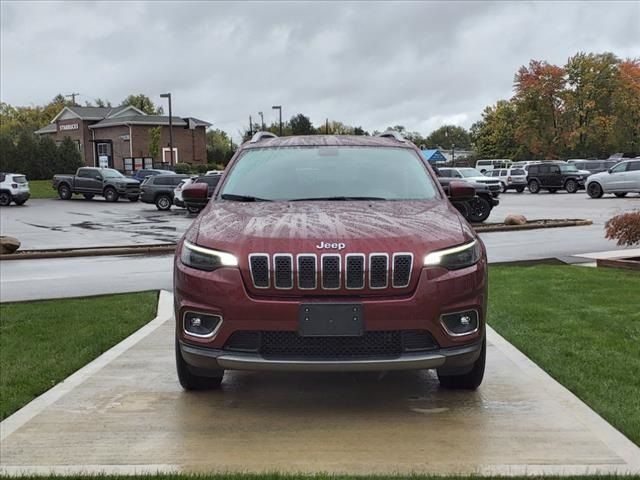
[(126, 180), (416, 227)]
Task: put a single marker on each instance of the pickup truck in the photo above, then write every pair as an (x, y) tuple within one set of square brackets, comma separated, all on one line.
[(90, 181)]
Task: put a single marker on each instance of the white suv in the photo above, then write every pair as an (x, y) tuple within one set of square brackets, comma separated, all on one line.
[(510, 178), (13, 188), (620, 179)]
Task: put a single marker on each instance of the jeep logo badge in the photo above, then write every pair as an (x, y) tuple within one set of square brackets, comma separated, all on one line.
[(333, 246)]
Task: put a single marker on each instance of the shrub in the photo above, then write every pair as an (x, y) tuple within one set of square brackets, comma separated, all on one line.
[(183, 168), (625, 228), (202, 169)]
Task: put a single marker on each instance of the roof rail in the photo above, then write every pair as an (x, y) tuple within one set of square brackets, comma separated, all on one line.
[(392, 134), (262, 135)]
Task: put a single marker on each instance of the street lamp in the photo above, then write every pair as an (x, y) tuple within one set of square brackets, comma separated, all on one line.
[(279, 108), (168, 95), (261, 120)]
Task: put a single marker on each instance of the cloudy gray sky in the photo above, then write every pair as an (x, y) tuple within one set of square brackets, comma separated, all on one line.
[(418, 64)]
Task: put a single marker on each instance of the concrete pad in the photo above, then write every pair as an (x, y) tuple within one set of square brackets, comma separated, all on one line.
[(630, 252), (126, 413)]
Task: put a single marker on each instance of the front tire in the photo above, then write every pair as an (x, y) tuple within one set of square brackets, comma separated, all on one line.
[(520, 189), (163, 202), (64, 192), (571, 186), (463, 208), (194, 209), (189, 381), (504, 188), (470, 380), (620, 194), (594, 190), (110, 195), (534, 186), (479, 209), (5, 199)]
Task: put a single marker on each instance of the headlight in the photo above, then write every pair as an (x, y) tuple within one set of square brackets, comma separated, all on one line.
[(204, 258), (455, 258)]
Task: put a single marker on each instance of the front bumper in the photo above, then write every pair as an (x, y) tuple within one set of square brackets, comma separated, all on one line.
[(453, 359), (178, 203)]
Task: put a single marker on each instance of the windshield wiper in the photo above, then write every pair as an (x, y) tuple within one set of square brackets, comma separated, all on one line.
[(242, 198), (331, 199)]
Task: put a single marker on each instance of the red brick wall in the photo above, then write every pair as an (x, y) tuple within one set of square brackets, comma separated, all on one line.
[(191, 144), (120, 147)]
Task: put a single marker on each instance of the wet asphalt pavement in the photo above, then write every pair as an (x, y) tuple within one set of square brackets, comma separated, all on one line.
[(80, 223)]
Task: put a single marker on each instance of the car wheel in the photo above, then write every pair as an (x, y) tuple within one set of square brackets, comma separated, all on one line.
[(520, 189), (110, 195), (594, 190), (163, 202), (534, 186), (470, 380), (189, 381), (479, 209), (133, 199), (64, 192), (463, 208), (88, 196), (193, 209), (571, 186), (618, 194), (5, 199)]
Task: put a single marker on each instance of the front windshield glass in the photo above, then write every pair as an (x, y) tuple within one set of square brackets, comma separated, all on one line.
[(329, 172), (568, 168), (110, 173), (470, 172)]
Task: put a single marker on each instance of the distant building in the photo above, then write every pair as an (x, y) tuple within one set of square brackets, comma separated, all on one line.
[(118, 137), (434, 156)]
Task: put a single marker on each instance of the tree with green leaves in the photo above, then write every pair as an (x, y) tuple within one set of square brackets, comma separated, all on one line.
[(154, 142), (144, 103), (448, 135), (219, 147), (301, 125)]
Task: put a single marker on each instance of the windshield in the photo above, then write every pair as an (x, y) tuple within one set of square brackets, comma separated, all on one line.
[(568, 168), (110, 173), (470, 172), (328, 172)]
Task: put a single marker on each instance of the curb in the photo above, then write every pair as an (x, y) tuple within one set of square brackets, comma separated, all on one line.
[(530, 225), (158, 249)]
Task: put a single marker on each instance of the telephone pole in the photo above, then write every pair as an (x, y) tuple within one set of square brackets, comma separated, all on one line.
[(261, 120), (250, 126), (73, 97)]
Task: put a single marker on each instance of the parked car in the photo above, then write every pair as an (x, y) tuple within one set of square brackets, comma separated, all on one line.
[(554, 176), (510, 178), (488, 165), (195, 203), (621, 179), (158, 189), (178, 201), (143, 173), (476, 209), (13, 188), (471, 174), (91, 181), (593, 166), (313, 255)]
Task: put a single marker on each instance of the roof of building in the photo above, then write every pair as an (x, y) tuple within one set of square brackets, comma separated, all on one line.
[(50, 128), (139, 120)]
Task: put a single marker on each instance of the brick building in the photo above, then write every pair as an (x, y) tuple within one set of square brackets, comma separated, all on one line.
[(119, 137)]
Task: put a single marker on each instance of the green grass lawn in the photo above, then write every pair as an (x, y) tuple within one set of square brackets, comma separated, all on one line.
[(42, 343), (42, 189), (582, 326)]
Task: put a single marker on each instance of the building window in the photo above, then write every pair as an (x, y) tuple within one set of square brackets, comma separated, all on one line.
[(103, 149)]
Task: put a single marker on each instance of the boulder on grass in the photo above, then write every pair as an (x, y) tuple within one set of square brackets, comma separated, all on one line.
[(8, 245), (515, 220)]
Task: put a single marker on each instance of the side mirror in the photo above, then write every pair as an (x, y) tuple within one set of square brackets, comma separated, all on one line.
[(196, 193), (459, 190), (609, 170)]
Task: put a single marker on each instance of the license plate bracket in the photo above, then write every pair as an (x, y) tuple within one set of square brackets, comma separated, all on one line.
[(330, 320)]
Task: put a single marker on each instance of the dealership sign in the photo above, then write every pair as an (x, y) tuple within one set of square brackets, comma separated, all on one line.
[(71, 126)]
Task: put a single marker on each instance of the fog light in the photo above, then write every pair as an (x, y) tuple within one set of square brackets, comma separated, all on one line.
[(460, 323), (201, 325)]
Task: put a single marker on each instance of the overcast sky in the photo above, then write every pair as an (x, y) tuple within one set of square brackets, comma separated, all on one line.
[(419, 64)]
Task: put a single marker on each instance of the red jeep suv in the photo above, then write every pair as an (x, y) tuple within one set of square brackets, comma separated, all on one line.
[(330, 253)]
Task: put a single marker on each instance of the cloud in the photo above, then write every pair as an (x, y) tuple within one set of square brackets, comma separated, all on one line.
[(417, 64)]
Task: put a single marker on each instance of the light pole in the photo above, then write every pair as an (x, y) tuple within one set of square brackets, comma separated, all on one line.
[(261, 120), (279, 108), (453, 154), (168, 95)]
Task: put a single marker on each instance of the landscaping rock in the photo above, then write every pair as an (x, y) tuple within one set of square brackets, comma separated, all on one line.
[(515, 220), (8, 245)]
